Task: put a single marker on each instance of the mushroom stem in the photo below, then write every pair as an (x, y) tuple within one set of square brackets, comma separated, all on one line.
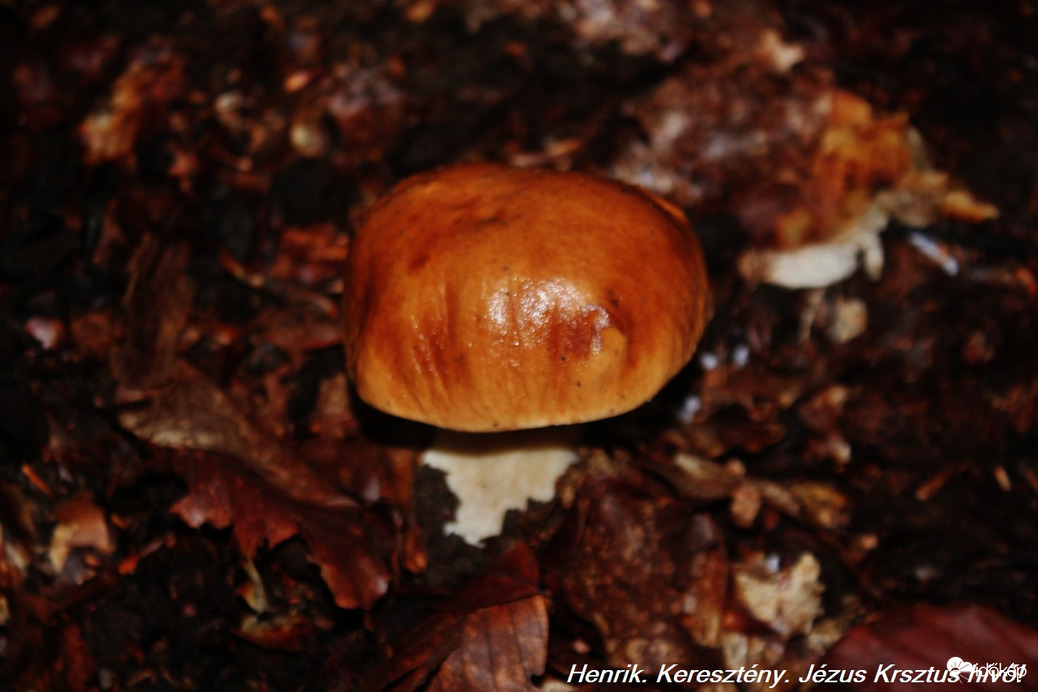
[(491, 473)]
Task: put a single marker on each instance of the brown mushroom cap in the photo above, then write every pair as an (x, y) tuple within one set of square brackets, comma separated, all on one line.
[(483, 297)]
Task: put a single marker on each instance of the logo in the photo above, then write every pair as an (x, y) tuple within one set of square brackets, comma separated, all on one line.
[(957, 668), (964, 671)]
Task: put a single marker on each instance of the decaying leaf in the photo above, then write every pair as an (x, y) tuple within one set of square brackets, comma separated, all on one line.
[(152, 79), (156, 304), (649, 575), (350, 544), (788, 600), (703, 479), (240, 475), (492, 635)]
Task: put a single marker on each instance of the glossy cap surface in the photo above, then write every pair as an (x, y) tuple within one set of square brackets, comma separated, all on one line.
[(483, 297)]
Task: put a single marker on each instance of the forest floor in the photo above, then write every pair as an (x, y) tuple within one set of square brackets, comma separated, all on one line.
[(846, 474)]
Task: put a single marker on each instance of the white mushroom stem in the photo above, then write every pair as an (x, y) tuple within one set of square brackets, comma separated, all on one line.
[(491, 473)]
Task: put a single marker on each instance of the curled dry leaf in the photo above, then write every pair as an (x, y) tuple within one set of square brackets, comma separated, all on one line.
[(191, 412)]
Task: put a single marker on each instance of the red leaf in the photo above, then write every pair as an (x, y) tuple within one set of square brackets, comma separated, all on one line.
[(351, 545), (925, 636), (240, 474)]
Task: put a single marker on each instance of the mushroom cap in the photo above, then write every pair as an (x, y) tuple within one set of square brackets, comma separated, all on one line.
[(483, 297)]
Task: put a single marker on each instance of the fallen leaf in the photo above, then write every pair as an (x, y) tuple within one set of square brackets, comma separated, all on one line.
[(648, 574), (976, 642), (192, 412), (156, 305), (703, 479), (239, 471), (491, 635), (788, 600), (152, 79), (81, 524), (351, 545)]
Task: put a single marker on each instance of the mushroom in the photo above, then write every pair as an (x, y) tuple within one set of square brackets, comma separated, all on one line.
[(484, 298)]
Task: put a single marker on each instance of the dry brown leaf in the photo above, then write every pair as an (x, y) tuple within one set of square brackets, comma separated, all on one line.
[(702, 479), (239, 474), (379, 473), (191, 412), (156, 305), (152, 79), (351, 545), (492, 635), (648, 574), (81, 525), (788, 600), (238, 471), (501, 648)]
